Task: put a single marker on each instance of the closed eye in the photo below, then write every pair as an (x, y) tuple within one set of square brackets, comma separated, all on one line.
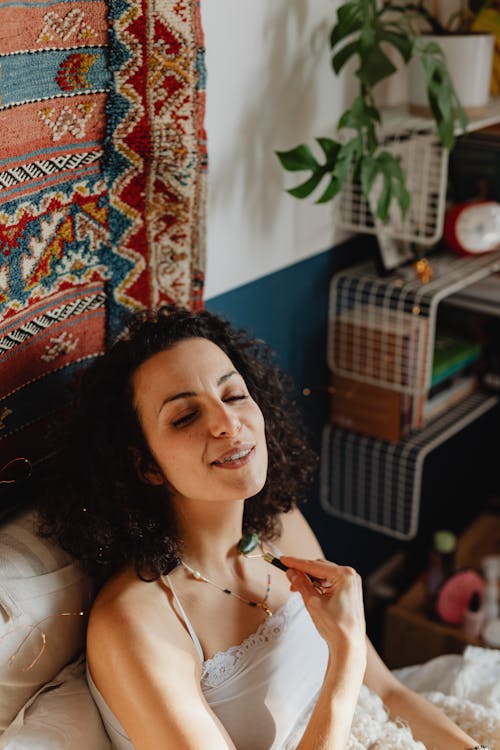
[(185, 420)]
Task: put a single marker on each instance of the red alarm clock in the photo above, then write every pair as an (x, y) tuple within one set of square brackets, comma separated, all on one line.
[(473, 228)]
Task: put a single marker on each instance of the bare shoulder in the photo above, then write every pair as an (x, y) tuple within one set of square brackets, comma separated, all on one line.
[(130, 614), (297, 538), (135, 638), (147, 669)]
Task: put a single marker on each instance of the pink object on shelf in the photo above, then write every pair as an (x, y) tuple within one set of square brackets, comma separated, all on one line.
[(454, 595)]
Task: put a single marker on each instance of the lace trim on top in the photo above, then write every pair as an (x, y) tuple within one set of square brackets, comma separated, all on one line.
[(222, 665)]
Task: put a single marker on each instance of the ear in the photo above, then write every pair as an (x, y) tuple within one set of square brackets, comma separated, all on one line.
[(145, 468)]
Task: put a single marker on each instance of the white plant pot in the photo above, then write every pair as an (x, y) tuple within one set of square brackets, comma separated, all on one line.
[(469, 60)]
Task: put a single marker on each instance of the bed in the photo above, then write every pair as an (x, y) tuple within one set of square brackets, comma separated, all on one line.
[(45, 703)]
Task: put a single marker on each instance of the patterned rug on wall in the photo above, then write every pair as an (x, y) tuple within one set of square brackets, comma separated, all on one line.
[(102, 190)]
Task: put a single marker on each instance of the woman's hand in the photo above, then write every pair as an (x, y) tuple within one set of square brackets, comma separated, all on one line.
[(338, 612)]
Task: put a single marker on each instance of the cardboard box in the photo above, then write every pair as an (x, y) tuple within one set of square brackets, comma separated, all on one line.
[(410, 636)]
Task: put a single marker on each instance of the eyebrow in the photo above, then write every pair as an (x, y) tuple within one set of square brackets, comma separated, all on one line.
[(188, 394)]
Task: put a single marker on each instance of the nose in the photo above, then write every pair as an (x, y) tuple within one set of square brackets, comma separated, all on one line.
[(223, 421)]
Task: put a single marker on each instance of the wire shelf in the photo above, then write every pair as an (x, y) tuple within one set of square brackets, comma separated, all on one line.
[(424, 162), (381, 332), (377, 484), (413, 140)]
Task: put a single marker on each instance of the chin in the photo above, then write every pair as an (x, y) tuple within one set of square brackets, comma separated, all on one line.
[(253, 493), (248, 489)]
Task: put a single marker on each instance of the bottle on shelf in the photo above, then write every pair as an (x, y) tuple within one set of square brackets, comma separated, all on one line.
[(474, 616), (491, 570), (442, 564)]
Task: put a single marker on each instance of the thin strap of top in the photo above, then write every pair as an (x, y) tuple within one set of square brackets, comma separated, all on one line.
[(185, 618), (196, 641)]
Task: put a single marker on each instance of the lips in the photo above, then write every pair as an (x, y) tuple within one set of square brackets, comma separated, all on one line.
[(235, 456)]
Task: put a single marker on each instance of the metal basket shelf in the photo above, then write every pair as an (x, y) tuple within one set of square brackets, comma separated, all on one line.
[(413, 140), (425, 163), (377, 484), (381, 331)]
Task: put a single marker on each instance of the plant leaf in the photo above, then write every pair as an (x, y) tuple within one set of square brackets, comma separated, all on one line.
[(369, 171), (353, 117), (401, 42), (393, 187), (372, 113), (384, 200), (297, 158), (349, 20), (302, 158), (390, 165), (375, 67), (360, 116), (440, 92), (348, 153), (331, 191), (371, 139), (402, 196), (330, 149), (307, 187), (343, 55)]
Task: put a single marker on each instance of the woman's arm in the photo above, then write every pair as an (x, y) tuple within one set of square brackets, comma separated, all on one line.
[(339, 617), (151, 683), (330, 723), (428, 723)]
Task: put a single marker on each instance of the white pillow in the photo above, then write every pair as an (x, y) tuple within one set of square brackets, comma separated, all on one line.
[(61, 716), (41, 595)]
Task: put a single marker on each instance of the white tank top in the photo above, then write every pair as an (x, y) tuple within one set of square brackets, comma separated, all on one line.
[(263, 690)]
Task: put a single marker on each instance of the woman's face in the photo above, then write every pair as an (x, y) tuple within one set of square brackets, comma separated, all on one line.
[(202, 427)]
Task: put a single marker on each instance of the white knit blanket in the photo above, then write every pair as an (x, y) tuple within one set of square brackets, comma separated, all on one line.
[(62, 716), (466, 688)]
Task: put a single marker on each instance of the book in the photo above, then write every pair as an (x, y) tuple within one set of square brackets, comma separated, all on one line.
[(452, 354), (460, 387)]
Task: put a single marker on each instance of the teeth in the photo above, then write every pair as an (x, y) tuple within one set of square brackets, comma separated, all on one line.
[(234, 457)]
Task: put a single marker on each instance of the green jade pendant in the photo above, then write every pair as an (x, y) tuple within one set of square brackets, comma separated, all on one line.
[(248, 543)]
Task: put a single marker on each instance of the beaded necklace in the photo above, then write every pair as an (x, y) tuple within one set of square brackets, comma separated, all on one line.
[(262, 604)]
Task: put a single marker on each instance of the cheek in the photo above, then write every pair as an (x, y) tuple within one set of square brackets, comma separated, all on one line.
[(259, 427), (179, 456), (259, 421)]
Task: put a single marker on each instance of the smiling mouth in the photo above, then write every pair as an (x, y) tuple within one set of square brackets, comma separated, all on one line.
[(238, 456)]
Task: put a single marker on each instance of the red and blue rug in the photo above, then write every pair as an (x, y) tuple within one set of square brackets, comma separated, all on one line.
[(102, 189)]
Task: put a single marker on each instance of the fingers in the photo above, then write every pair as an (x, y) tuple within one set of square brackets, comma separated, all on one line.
[(300, 582), (316, 568)]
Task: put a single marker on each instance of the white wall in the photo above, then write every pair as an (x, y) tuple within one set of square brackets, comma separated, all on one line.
[(269, 87)]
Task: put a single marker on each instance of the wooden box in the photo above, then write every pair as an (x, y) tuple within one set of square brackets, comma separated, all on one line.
[(410, 636), (366, 408)]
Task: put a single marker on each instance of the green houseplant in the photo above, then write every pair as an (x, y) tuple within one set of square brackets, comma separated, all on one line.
[(364, 30)]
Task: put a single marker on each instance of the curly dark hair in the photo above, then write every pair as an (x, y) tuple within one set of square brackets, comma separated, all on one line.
[(100, 510)]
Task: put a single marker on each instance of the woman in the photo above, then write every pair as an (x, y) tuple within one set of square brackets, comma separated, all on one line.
[(184, 444)]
